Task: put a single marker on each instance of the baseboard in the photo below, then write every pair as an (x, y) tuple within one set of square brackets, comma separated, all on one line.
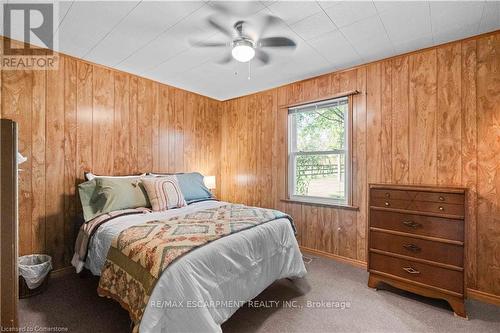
[(62, 271), (483, 296), (354, 262)]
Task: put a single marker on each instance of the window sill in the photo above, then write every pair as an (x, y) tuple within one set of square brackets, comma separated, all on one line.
[(321, 204)]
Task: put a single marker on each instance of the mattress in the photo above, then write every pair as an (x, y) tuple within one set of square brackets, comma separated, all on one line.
[(202, 289)]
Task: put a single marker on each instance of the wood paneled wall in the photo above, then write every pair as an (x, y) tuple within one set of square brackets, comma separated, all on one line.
[(429, 117), (85, 117)]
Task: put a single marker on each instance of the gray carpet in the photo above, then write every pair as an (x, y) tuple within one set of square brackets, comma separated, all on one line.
[(72, 302)]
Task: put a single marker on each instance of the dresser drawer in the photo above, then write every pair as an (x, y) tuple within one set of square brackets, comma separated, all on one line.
[(418, 248), (418, 272), (391, 194), (390, 203), (450, 198), (437, 207), (418, 224)]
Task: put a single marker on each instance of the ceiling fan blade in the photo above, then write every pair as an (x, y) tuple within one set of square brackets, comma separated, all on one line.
[(268, 21), (219, 27), (276, 42), (227, 59), (220, 8), (262, 56), (207, 44)]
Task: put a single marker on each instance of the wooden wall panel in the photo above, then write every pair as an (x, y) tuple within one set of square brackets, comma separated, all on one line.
[(177, 139), (422, 110), (155, 134), (54, 162), (449, 159), (360, 148), (145, 125), (429, 117), (84, 117), (133, 125), (488, 155), (189, 136), (241, 177), (324, 85), (214, 147), (252, 110), (102, 121), (17, 105), (386, 121), (400, 120), (38, 162), (266, 126), (199, 132), (164, 104), (121, 136), (70, 130), (374, 124), (469, 153)]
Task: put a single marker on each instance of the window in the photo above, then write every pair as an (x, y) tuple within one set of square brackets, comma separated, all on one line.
[(319, 152)]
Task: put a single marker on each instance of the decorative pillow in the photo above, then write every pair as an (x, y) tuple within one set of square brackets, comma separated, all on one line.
[(104, 195), (164, 192), (192, 186)]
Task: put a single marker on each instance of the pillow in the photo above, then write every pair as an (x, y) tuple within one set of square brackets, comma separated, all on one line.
[(104, 195), (86, 191), (121, 193), (90, 176), (164, 193), (192, 186)]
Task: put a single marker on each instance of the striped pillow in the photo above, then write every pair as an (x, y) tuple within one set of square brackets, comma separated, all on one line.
[(164, 193)]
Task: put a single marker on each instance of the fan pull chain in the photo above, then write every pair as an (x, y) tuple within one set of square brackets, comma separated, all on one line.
[(249, 72)]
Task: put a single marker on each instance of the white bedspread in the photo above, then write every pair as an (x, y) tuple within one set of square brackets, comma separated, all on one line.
[(202, 289)]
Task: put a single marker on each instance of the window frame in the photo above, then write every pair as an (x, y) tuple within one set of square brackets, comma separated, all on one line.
[(291, 154)]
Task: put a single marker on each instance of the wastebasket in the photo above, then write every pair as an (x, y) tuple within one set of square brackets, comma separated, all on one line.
[(34, 272)]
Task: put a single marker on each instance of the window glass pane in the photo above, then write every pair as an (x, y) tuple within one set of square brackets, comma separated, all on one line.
[(321, 129), (321, 175)]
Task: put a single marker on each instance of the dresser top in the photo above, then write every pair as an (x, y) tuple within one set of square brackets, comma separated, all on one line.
[(419, 187)]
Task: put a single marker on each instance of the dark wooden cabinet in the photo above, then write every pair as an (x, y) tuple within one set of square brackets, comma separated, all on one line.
[(416, 240), (8, 226)]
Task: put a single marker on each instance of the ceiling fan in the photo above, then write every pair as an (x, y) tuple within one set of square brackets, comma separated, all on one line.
[(243, 46)]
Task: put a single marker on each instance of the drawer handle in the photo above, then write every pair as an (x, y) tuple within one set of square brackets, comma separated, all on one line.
[(412, 224), (412, 247), (441, 208), (441, 198), (387, 195), (387, 204), (411, 270)]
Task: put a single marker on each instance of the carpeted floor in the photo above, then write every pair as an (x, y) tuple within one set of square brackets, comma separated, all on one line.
[(72, 302)]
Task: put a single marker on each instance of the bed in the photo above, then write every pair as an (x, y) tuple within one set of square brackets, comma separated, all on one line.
[(203, 288)]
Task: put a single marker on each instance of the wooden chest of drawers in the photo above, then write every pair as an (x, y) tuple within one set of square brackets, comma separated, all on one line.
[(416, 240)]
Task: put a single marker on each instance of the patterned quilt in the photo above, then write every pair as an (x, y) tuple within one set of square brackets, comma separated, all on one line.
[(140, 253)]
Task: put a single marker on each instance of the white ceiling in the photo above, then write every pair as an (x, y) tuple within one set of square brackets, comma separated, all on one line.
[(151, 38)]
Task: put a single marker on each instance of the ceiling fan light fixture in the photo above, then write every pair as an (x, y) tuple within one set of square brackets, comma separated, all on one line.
[(243, 50)]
